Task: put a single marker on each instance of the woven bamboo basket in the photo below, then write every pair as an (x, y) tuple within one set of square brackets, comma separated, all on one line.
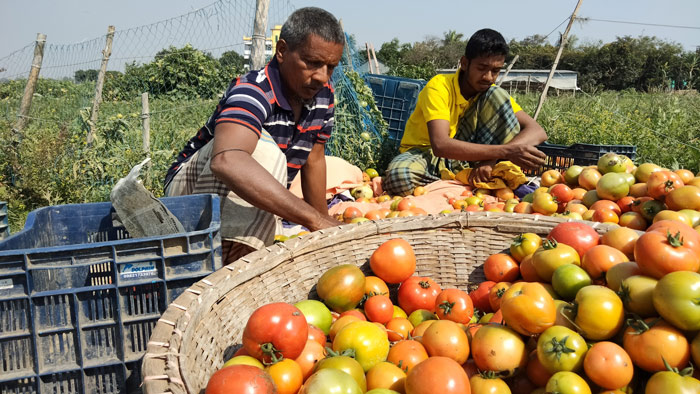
[(202, 328)]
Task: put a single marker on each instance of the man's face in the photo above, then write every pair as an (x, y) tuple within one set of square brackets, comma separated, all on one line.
[(482, 71), (307, 68)]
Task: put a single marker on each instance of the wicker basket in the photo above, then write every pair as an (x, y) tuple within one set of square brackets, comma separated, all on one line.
[(201, 328)]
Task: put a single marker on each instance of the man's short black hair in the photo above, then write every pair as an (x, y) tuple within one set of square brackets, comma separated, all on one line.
[(311, 20), (486, 42)]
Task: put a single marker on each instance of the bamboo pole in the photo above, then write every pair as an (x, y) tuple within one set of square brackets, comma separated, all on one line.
[(257, 51), (543, 97), (369, 59), (510, 65), (106, 53), (30, 87), (374, 56), (146, 135)]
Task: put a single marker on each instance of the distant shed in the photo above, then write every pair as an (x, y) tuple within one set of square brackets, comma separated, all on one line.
[(526, 80)]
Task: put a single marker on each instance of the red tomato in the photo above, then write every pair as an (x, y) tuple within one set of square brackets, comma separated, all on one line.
[(501, 267), (379, 308), (407, 354), (240, 379), (393, 261), (661, 183), (275, 330), (480, 296), (562, 193), (691, 238), (418, 292), (658, 254), (437, 375), (608, 365), (317, 335), (455, 305), (579, 236), (598, 260), (496, 293)]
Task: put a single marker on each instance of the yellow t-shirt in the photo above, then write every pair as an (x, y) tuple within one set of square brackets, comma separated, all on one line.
[(439, 99)]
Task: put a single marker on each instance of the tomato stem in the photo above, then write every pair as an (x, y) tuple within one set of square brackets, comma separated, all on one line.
[(674, 240), (446, 307), (269, 350), (424, 284), (559, 347)]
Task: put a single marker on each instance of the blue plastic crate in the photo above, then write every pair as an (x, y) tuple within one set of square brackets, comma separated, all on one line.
[(561, 157), (4, 225), (396, 97), (79, 297)]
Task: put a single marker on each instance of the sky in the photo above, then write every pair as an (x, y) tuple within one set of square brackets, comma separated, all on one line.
[(72, 21)]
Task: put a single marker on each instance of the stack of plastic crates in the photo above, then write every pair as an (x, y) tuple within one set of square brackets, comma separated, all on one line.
[(79, 297), (396, 97)]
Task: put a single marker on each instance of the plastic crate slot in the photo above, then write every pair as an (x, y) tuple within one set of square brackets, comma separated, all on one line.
[(61, 383), (55, 311), (19, 386), (14, 286), (141, 300), (136, 337), (10, 265), (57, 351), (109, 379), (14, 316), (175, 246), (97, 306), (140, 251), (16, 355), (100, 345), (200, 243), (188, 266), (71, 277)]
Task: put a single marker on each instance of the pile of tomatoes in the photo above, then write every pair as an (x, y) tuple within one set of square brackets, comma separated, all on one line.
[(572, 313)]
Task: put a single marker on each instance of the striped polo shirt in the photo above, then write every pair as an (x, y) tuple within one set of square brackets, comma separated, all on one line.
[(256, 101)]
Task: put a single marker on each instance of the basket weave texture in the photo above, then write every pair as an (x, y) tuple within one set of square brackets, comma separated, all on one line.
[(201, 329)]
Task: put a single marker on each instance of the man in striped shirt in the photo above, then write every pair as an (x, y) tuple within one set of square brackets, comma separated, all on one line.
[(269, 125)]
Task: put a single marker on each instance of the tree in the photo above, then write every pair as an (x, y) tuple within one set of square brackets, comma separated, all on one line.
[(85, 76), (232, 60)]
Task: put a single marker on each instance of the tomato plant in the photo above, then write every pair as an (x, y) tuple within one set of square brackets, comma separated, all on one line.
[(341, 287), (274, 331), (394, 261), (418, 292)]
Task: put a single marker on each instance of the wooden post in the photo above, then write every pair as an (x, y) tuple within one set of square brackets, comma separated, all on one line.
[(527, 85), (30, 87), (369, 59), (257, 52), (374, 56), (106, 53), (510, 65), (146, 135), (543, 97)]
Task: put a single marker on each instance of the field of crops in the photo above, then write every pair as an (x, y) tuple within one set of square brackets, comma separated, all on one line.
[(52, 164)]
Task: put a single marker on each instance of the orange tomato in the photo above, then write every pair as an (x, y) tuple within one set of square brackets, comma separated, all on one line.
[(605, 216), (405, 204), (447, 339), (386, 375), (419, 191), (598, 260), (407, 354), (685, 175), (398, 328), (661, 183), (379, 309), (287, 375), (633, 220), (393, 261), (501, 267), (313, 352), (375, 214), (374, 286), (622, 239), (495, 294), (528, 308), (317, 335), (606, 204), (351, 213), (454, 305), (498, 348), (437, 375), (638, 190), (527, 270), (608, 365), (648, 345)]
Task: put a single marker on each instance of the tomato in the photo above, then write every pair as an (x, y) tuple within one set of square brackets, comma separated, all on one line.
[(652, 341), (244, 360), (386, 375), (527, 270), (346, 364), (496, 293), (393, 261), (619, 272), (690, 237), (528, 308), (625, 204), (535, 371), (566, 382), (407, 354), (379, 308), (500, 267), (568, 279), (420, 315), (608, 365), (598, 260), (330, 381), (313, 352), (370, 343), (599, 312), (274, 331), (551, 177), (671, 382), (622, 239), (398, 312), (632, 220), (579, 236), (287, 376), (676, 296), (437, 375), (480, 296), (611, 162), (545, 204), (668, 214), (651, 208), (636, 294), (240, 379), (561, 349), (316, 313), (685, 197), (562, 193), (612, 186), (498, 348), (487, 384), (445, 338), (552, 255), (588, 178), (661, 183), (358, 313), (375, 286), (524, 245), (658, 254), (455, 305), (340, 324), (418, 292), (341, 287), (645, 170), (565, 315), (398, 328)]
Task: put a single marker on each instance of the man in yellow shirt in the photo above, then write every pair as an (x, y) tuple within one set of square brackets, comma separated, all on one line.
[(464, 120)]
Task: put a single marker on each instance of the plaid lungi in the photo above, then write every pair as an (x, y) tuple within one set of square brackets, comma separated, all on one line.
[(241, 222), (490, 120)]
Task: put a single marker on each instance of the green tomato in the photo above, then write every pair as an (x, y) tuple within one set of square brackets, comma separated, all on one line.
[(342, 287), (420, 315), (636, 293), (676, 297), (550, 256), (316, 313), (346, 364), (369, 343), (566, 382), (568, 279), (561, 349), (671, 382), (330, 381), (612, 186), (528, 197)]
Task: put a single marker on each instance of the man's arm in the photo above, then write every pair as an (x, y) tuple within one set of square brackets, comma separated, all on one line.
[(313, 179), (531, 133), (233, 164)]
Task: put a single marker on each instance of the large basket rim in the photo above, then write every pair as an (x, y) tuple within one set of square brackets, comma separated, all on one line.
[(161, 365)]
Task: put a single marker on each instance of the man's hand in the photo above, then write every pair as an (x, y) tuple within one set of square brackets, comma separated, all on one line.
[(325, 221), (482, 173), (525, 156)]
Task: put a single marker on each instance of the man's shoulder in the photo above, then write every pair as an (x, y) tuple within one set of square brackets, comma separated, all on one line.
[(255, 81)]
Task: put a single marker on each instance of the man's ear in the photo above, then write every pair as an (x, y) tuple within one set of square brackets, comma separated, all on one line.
[(281, 49), (463, 63)]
